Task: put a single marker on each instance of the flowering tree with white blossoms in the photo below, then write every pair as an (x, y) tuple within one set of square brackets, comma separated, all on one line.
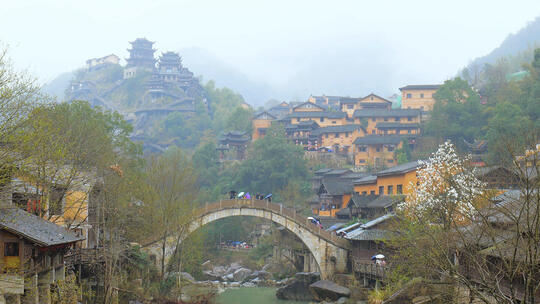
[(446, 191)]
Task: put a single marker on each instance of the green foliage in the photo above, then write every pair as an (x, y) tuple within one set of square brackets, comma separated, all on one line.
[(272, 163), (403, 154), (457, 114), (240, 120)]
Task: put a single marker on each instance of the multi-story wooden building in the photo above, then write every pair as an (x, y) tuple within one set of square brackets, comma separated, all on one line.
[(418, 96), (261, 122), (340, 138), (404, 120), (392, 181)]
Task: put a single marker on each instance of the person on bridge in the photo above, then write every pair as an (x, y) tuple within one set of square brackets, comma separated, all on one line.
[(232, 194)]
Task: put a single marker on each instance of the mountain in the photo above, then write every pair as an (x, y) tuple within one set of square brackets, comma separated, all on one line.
[(516, 44), (57, 87)]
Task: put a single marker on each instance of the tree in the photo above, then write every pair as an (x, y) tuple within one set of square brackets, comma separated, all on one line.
[(240, 120), (457, 114), (272, 163), (169, 199)]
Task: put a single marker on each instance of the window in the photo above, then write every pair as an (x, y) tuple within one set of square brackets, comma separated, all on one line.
[(298, 120), (399, 189), (409, 118), (409, 95), (334, 122), (350, 106), (336, 135), (390, 148), (346, 134), (390, 160), (322, 119), (378, 149), (373, 131), (326, 135), (381, 190), (372, 192), (362, 148), (11, 249), (386, 119), (421, 95), (397, 119), (362, 161), (390, 190), (409, 131)]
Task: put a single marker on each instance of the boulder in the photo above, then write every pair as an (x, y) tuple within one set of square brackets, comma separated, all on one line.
[(229, 277), (219, 270), (328, 290), (298, 288), (342, 300), (233, 267), (263, 275), (211, 275), (248, 284), (241, 274)]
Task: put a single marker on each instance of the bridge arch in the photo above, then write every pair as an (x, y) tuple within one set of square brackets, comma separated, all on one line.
[(330, 251)]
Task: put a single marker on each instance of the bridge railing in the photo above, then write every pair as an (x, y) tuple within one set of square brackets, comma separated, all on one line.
[(370, 268), (275, 208)]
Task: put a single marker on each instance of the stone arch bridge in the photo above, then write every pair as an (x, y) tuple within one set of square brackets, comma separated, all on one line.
[(329, 250)]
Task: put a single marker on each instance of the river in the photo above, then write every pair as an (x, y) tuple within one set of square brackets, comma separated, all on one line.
[(247, 295)]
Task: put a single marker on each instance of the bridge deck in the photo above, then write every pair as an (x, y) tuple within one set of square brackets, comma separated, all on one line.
[(277, 209)]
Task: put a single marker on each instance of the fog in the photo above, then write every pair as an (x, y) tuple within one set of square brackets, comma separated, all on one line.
[(280, 49)]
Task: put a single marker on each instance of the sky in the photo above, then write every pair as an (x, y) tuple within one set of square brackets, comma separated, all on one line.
[(295, 47)]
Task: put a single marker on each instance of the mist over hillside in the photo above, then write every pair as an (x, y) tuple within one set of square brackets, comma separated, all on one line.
[(525, 39)]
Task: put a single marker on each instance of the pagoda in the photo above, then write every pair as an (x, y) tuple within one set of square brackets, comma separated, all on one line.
[(141, 54)]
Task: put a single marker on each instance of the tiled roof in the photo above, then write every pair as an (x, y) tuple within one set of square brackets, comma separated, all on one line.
[(262, 113), (310, 104), (368, 113), (378, 220), (322, 171), (34, 228), (400, 169), (338, 129), (345, 100), (370, 179), (378, 139), (421, 87), (383, 125), (384, 201), (374, 95), (337, 186), (355, 175), (338, 172), (316, 114), (362, 200), (368, 235)]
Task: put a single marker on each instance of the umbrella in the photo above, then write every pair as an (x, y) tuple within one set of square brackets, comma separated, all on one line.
[(378, 256), (268, 196), (248, 196), (310, 218), (240, 194)]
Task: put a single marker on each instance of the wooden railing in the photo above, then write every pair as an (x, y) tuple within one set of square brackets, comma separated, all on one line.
[(290, 214), (370, 269)]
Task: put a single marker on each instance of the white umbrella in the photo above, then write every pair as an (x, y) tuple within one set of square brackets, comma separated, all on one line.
[(379, 256), (240, 194)]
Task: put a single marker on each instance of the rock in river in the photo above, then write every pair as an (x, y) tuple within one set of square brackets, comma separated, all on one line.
[(298, 288), (328, 290)]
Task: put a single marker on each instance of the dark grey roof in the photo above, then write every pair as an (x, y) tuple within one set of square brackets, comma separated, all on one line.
[(338, 129), (383, 125), (370, 179), (344, 211), (362, 200), (338, 172), (378, 220), (421, 87), (322, 171), (403, 168), (317, 114), (337, 186), (344, 100), (264, 112), (368, 113), (375, 95), (34, 228), (368, 235), (355, 175), (378, 139), (385, 201), (310, 103)]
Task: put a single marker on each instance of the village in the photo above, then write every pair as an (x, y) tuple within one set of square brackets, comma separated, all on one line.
[(142, 182)]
